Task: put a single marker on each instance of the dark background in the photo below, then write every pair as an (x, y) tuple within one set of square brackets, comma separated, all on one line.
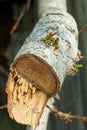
[(74, 90)]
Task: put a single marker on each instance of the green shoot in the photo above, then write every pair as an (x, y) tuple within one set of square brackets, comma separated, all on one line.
[(53, 41), (77, 66)]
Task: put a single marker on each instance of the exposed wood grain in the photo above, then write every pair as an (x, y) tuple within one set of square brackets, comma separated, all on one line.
[(25, 102)]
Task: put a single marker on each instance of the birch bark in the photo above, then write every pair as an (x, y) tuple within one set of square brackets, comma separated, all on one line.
[(54, 63)]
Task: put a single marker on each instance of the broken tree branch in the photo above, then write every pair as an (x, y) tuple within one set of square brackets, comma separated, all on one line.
[(48, 55)]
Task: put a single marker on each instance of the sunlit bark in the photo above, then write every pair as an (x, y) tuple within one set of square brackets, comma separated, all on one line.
[(43, 63)]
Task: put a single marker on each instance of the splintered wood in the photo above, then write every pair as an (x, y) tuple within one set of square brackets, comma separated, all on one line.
[(25, 102)]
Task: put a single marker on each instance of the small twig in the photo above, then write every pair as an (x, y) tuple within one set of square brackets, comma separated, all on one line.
[(28, 5), (16, 24), (66, 116), (82, 29), (3, 107)]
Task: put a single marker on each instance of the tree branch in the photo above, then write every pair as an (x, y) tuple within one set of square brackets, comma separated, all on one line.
[(48, 55), (67, 117)]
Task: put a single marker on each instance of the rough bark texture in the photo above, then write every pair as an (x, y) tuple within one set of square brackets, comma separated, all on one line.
[(49, 6), (60, 61), (64, 27)]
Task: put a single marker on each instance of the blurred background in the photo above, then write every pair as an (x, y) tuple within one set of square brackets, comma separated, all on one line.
[(73, 95)]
